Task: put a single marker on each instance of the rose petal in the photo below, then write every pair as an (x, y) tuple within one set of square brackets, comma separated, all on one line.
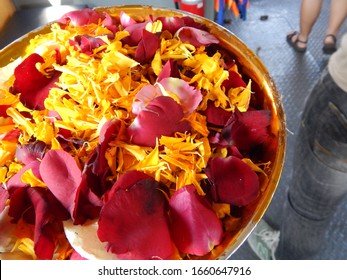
[(134, 223), (216, 115), (109, 24), (196, 37), (30, 152), (45, 233), (196, 228), (171, 24), (87, 43), (16, 182), (4, 195), (126, 20), (189, 97), (232, 181), (162, 116), (59, 171), (31, 84), (144, 96), (147, 47), (81, 17), (170, 69), (135, 33), (247, 129), (234, 81)]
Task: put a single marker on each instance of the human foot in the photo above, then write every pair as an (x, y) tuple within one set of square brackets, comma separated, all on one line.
[(329, 46), (296, 42)]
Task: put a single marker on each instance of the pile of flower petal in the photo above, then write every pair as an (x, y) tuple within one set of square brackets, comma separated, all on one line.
[(125, 138)]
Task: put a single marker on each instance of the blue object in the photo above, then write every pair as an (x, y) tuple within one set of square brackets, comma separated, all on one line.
[(220, 15)]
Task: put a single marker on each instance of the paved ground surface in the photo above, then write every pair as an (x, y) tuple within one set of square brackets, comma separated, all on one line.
[(293, 74)]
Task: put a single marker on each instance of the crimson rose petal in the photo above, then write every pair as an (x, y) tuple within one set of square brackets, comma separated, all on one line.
[(147, 47), (196, 228), (234, 81), (247, 129), (134, 222), (162, 116), (31, 84), (232, 181), (216, 115)]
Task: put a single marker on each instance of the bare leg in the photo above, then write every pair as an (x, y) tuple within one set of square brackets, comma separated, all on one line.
[(338, 14), (309, 12)]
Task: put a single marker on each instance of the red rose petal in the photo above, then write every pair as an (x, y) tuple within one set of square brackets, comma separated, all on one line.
[(147, 47), (170, 69), (16, 182), (3, 109), (216, 115), (134, 223), (31, 84), (196, 228), (232, 181), (87, 43), (234, 81), (247, 129), (135, 33), (59, 171), (76, 256), (162, 116), (45, 233)]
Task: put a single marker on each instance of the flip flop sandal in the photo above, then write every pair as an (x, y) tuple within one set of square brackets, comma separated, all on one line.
[(330, 48), (294, 44)]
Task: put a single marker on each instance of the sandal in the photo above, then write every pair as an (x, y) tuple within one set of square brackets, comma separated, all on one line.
[(294, 44), (330, 48)]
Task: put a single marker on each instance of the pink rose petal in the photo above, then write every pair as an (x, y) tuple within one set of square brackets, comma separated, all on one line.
[(196, 37), (162, 116), (189, 97), (81, 17), (171, 24)]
